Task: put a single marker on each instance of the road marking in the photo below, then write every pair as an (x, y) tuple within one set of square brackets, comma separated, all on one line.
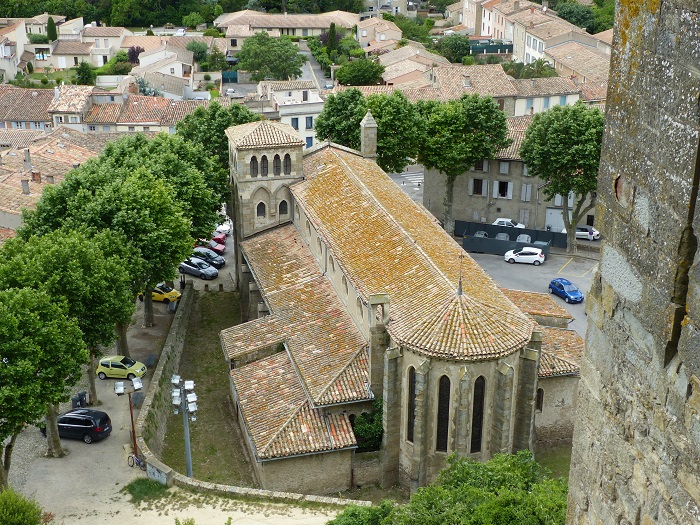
[(591, 270), (565, 265)]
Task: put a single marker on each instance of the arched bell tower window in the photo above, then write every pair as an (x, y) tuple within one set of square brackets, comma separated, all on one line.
[(261, 209), (284, 208), (287, 164), (443, 414), (263, 166), (478, 414), (411, 413), (276, 166), (254, 166)]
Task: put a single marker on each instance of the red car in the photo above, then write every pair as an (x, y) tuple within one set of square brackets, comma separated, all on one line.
[(212, 245), (219, 237)]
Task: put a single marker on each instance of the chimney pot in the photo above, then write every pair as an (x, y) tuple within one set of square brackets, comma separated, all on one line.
[(25, 186), (27, 160), (532, 10), (516, 5), (532, 25), (368, 136)]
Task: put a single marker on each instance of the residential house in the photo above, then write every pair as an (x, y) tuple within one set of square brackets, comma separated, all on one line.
[(147, 43), (502, 25), (535, 95), (70, 105), (26, 109), (106, 42), (374, 31), (66, 54), (408, 64), (13, 40), (333, 322), (604, 41), (499, 187), (37, 24), (473, 14), (535, 30), (141, 113), (237, 34), (19, 138), (298, 104), (288, 23), (70, 28), (455, 13), (580, 62), (594, 94), (168, 69)]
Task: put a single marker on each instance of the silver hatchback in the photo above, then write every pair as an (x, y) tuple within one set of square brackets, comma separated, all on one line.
[(198, 268)]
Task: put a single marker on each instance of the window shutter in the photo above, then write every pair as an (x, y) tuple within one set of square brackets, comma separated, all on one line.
[(471, 186), (510, 191), (557, 200), (523, 192), (495, 189)]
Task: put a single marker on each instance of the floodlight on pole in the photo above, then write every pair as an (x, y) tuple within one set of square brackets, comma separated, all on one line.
[(184, 399)]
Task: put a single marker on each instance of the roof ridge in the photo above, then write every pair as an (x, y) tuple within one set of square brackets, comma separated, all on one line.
[(286, 423), (342, 370)]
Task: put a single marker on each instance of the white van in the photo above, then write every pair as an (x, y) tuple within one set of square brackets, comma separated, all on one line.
[(180, 32)]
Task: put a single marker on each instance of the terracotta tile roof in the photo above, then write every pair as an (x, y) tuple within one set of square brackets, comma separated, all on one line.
[(44, 18), (19, 138), (535, 303), (605, 36), (6, 233), (489, 79), (403, 68), (146, 42), (562, 351), (141, 109), (517, 126), (178, 110), (584, 60), (456, 6), (594, 91), (286, 85), (67, 47), (375, 45), (378, 24), (71, 99), (415, 53), (10, 28), (553, 28), (239, 31), (181, 54), (256, 20), (103, 113), (261, 134), (167, 83), (25, 105), (278, 416), (91, 32), (533, 87), (419, 262)]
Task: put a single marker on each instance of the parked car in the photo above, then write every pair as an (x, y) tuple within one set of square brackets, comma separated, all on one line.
[(199, 268), (120, 367), (217, 261), (230, 91), (219, 237), (180, 32), (212, 245), (588, 233), (163, 294), (224, 226), (526, 255), (504, 221), (83, 423), (566, 290)]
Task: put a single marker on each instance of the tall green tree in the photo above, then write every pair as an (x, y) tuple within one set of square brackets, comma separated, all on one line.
[(266, 57), (458, 134), (85, 74), (540, 68), (199, 50), (454, 47), (339, 121), (192, 20), (73, 268), (399, 130), (332, 41), (362, 72), (42, 352), (578, 14), (562, 147), (51, 32)]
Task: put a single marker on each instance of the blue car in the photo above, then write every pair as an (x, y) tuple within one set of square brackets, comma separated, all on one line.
[(566, 290)]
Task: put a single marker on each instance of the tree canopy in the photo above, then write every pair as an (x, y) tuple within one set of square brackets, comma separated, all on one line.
[(454, 47), (508, 489), (562, 147), (265, 57), (361, 72), (458, 134), (51, 32), (578, 14), (398, 125), (85, 74)]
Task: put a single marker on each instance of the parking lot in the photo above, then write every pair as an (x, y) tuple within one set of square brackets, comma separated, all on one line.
[(579, 270)]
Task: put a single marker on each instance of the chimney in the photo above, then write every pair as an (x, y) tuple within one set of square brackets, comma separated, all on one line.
[(49, 179), (545, 5), (532, 25), (368, 136), (516, 5), (466, 81), (532, 10), (27, 161), (36, 176), (56, 93), (25, 186)]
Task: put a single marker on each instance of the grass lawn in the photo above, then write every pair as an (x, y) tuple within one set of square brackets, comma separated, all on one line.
[(217, 444), (557, 459)]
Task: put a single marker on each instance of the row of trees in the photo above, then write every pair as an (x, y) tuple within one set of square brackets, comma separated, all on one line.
[(561, 147), (117, 225), (508, 489)]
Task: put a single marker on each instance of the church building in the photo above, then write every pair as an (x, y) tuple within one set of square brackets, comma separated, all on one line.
[(352, 292)]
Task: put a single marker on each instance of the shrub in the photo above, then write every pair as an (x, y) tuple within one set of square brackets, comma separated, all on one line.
[(35, 38), (44, 80), (144, 489), (15, 509), (207, 77), (368, 428), (30, 68)]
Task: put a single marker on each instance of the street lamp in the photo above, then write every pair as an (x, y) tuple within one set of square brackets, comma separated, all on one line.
[(120, 390), (185, 400)]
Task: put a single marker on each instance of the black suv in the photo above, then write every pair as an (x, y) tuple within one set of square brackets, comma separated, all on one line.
[(88, 425)]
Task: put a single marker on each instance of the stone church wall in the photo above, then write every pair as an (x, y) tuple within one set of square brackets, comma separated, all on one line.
[(555, 422), (317, 473), (636, 453)]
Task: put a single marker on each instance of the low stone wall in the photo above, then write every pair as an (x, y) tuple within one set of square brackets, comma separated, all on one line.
[(367, 468), (151, 424)]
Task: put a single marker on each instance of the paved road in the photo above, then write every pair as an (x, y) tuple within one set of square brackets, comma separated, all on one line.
[(536, 278)]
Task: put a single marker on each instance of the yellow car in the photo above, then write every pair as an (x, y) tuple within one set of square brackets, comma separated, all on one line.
[(120, 366), (163, 293)]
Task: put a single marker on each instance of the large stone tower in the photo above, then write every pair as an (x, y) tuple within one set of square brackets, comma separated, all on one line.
[(636, 457)]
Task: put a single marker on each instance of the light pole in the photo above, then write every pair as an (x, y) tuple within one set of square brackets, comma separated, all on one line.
[(120, 390), (185, 399)]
